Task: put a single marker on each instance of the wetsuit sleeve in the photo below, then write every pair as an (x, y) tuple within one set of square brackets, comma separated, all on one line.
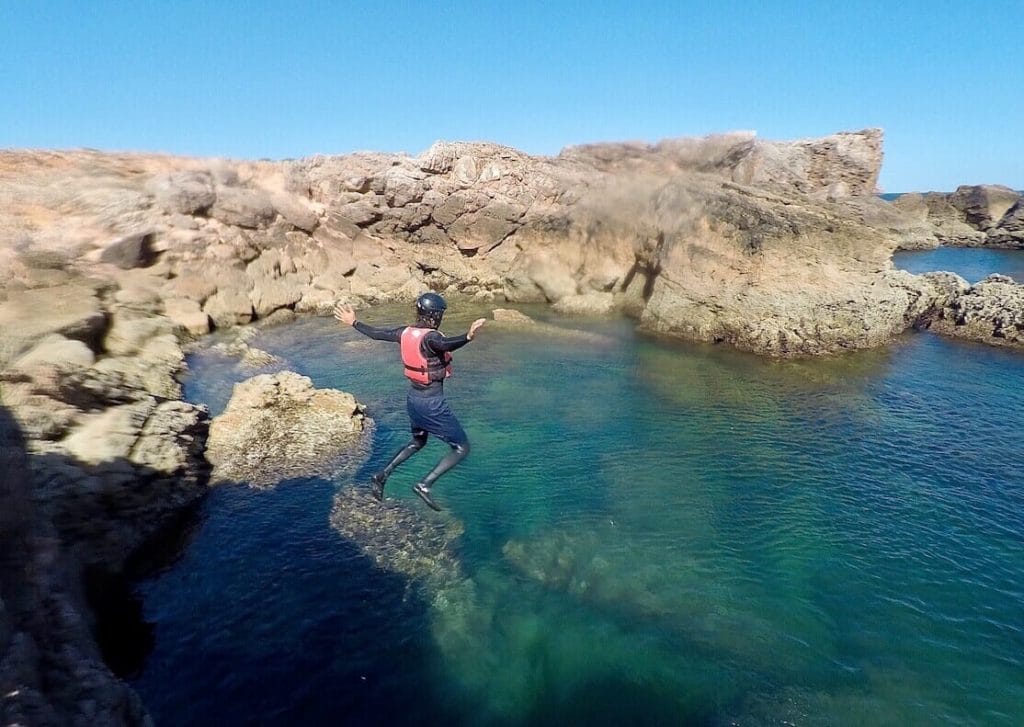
[(439, 344), (379, 334)]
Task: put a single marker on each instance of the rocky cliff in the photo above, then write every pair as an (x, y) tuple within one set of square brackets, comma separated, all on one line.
[(726, 238)]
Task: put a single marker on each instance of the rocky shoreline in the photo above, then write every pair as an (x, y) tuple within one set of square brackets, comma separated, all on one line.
[(111, 263)]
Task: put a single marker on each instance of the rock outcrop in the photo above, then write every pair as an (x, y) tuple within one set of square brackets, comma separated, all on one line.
[(990, 311), (972, 216), (278, 426)]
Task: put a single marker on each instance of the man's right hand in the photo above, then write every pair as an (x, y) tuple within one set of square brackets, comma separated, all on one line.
[(345, 313)]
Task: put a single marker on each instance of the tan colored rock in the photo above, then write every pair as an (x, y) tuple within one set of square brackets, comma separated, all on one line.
[(188, 314), (172, 439), (512, 317), (941, 219), (56, 351), (360, 214), (552, 276), (295, 212), (248, 208), (192, 283), (139, 296), (131, 251), (318, 301), (844, 164), (990, 311), (71, 310), (983, 205), (39, 416), (1010, 230), (486, 227), (130, 331), (227, 308), (508, 318), (588, 304), (152, 370), (186, 193), (268, 295), (278, 426), (109, 435)]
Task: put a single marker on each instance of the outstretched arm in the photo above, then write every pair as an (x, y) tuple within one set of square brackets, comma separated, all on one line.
[(446, 344), (347, 315)]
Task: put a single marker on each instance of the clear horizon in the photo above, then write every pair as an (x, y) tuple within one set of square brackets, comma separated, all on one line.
[(264, 80)]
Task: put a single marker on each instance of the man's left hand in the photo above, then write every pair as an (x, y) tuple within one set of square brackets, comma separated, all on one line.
[(345, 313), (474, 327)]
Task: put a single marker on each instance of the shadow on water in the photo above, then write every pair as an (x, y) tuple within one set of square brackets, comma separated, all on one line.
[(277, 619)]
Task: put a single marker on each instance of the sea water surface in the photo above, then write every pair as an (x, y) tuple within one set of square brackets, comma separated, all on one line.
[(972, 264), (654, 533)]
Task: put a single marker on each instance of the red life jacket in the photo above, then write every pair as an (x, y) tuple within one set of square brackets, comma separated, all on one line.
[(418, 368)]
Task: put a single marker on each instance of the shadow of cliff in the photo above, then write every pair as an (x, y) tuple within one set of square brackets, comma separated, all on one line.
[(273, 618), (58, 541)]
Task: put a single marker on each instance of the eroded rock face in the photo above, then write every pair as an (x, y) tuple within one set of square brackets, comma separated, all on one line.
[(1009, 232), (841, 165), (984, 205), (278, 426), (110, 458)]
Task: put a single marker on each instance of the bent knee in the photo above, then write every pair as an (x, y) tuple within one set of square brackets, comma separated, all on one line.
[(462, 449)]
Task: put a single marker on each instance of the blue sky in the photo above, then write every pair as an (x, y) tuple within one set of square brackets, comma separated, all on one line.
[(265, 79)]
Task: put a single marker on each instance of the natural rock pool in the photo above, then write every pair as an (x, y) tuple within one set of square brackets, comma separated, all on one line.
[(645, 532)]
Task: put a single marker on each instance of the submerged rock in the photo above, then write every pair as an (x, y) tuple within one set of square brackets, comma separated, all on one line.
[(278, 426), (399, 538), (642, 582), (508, 318)]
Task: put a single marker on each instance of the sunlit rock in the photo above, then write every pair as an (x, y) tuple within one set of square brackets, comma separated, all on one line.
[(278, 426)]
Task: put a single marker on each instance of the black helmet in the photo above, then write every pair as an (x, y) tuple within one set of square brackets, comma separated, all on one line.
[(431, 304)]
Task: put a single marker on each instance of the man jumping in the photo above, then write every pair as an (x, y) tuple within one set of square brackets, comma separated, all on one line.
[(426, 354)]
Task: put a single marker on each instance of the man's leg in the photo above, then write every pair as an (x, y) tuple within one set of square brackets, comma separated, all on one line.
[(439, 420), (458, 453), (419, 438)]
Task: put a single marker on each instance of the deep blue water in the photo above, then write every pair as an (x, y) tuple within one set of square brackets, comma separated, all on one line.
[(654, 533), (972, 264)]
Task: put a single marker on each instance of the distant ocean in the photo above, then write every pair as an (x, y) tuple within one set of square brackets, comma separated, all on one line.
[(890, 196)]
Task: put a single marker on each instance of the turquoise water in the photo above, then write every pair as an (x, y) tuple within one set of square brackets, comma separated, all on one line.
[(652, 533), (971, 264)]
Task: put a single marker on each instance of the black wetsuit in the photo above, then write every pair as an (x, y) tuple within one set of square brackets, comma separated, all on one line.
[(428, 409)]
